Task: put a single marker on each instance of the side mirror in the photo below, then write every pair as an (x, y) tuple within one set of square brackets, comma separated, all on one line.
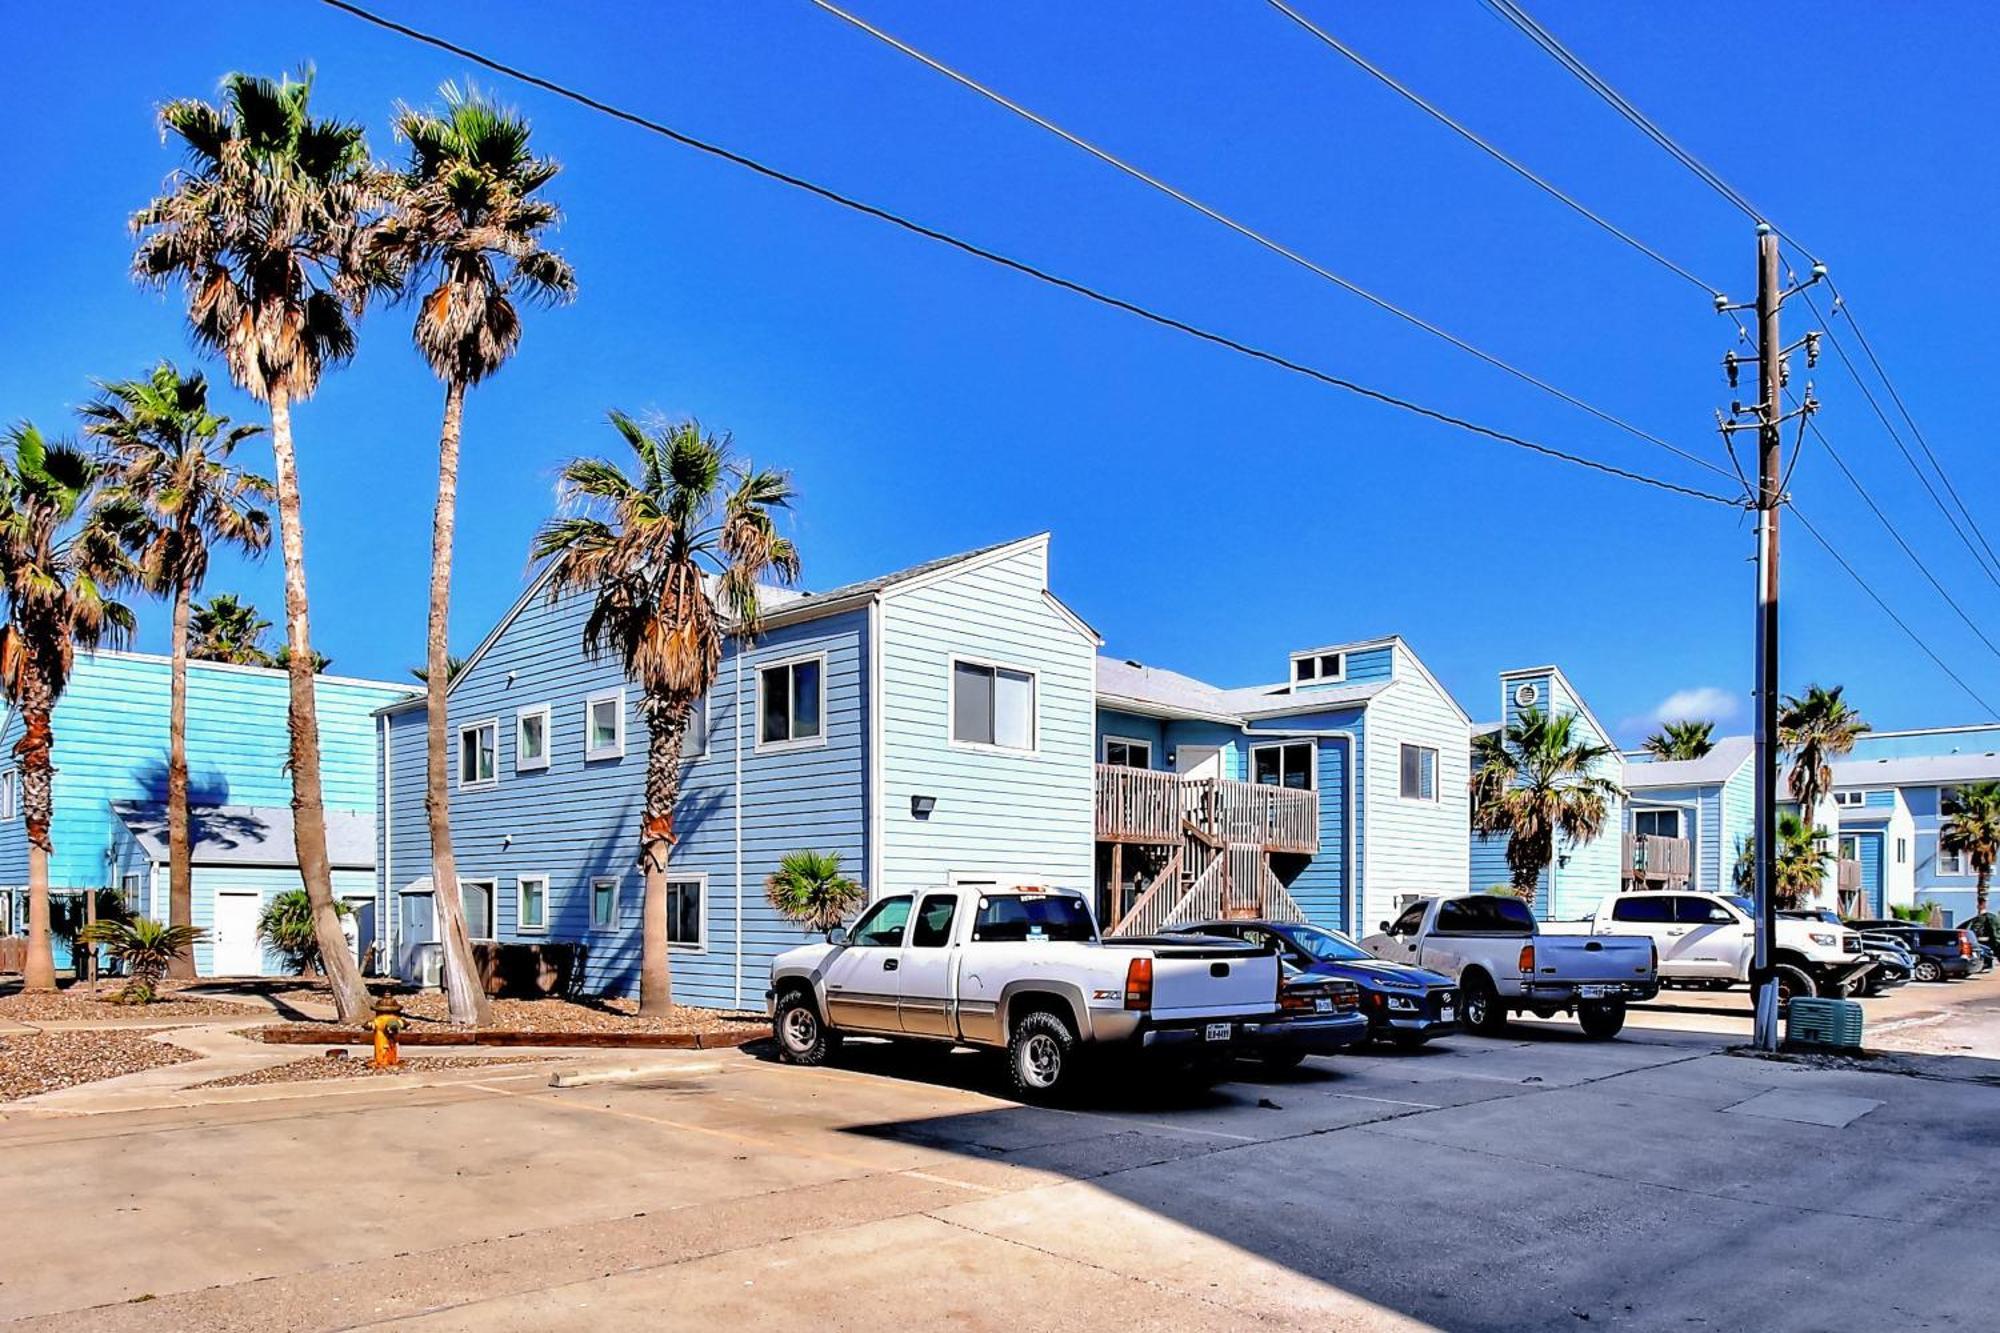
[(1383, 927), (838, 935)]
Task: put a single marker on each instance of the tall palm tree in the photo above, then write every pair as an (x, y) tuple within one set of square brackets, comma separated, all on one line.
[(59, 559), (1803, 857), (1972, 828), (225, 629), (266, 228), (466, 232), (671, 557), (171, 471), (1681, 740), (1815, 728), (1535, 779)]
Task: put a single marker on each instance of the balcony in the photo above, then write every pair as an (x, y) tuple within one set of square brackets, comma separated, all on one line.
[(1138, 805), (1650, 859), (1847, 876)]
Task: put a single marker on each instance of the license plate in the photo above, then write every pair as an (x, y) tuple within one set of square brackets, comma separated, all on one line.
[(1216, 1032), (1590, 992), (1323, 1006), (1447, 1014)]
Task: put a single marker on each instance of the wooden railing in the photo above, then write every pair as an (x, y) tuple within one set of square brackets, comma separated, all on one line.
[(1847, 876), (1656, 859), (1143, 805)]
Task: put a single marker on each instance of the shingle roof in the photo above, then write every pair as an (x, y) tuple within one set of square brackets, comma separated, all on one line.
[(1921, 771), (805, 603), (1277, 700), (1160, 688), (1718, 765), (250, 835)]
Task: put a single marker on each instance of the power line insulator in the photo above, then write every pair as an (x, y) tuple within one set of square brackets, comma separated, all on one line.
[(1730, 363)]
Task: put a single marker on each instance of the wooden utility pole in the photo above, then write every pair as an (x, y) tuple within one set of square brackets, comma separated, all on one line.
[(1770, 471)]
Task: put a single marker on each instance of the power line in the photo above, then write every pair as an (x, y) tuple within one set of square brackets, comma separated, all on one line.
[(1498, 155), (1888, 611), (1252, 234), (1018, 266)]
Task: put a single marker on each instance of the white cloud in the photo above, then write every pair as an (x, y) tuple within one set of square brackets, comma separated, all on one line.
[(1702, 703)]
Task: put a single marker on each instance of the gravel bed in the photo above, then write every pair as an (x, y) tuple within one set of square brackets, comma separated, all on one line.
[(357, 1066), (78, 1003), (45, 1061), (426, 1011)]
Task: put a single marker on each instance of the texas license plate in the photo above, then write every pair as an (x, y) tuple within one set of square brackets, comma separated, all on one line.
[(1216, 1032), (1590, 992), (1447, 1014), (1323, 1006)]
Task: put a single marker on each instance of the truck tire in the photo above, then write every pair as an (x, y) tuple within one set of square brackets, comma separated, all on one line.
[(1601, 1019), (1794, 983), (802, 1036), (1484, 1013), (1041, 1057)]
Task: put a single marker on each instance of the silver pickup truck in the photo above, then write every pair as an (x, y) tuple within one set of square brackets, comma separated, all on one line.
[(1025, 970), (1504, 965)]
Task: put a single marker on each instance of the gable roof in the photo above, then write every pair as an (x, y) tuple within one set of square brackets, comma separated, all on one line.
[(1719, 765), (1555, 672), (249, 835), (1134, 687), (1916, 771)]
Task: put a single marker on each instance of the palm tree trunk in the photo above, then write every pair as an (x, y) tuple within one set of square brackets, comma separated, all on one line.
[(180, 852), (666, 725), (350, 996), (1985, 877), (464, 993), (37, 807)]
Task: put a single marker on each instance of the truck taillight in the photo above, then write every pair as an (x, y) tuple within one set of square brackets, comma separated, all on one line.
[(1965, 944), (1139, 984), (1527, 958)]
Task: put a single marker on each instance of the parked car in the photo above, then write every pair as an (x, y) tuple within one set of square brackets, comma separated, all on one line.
[(1710, 938), (1316, 1016), (1023, 970), (1404, 1004), (1943, 952), (1490, 945)]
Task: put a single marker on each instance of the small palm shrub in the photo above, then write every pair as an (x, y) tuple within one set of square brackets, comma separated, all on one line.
[(809, 889), (145, 947), (286, 928), (69, 914)]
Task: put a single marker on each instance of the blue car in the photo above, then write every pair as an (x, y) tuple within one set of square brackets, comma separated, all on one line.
[(1404, 1004)]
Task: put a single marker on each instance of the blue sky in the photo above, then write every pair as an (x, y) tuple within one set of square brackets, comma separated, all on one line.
[(1209, 513)]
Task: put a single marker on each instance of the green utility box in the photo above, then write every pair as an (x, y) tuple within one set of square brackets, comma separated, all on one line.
[(1824, 1023)]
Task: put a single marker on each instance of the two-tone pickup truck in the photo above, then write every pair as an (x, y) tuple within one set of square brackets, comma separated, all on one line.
[(1024, 970), (1489, 944)]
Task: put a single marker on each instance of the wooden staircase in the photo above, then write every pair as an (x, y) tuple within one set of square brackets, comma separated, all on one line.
[(1209, 878)]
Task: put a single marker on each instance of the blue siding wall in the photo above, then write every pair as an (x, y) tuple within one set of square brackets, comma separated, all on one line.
[(1328, 888), (1363, 665), (1868, 850), (1229, 740), (1111, 722)]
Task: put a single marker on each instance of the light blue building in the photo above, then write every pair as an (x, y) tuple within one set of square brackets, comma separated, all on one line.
[(1337, 794), (1687, 818), (1581, 873), (930, 726), (1888, 804), (110, 796)]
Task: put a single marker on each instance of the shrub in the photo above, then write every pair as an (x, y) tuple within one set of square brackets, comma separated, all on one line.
[(286, 928), (809, 889), (145, 947)]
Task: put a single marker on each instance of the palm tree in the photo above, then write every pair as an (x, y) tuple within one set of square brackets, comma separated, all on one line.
[(224, 629), (453, 664), (171, 472), (1816, 728), (148, 948), (1801, 866), (808, 888), (266, 228), (58, 560), (1533, 780), (1681, 740), (319, 662), (466, 232), (1972, 828), (672, 558)]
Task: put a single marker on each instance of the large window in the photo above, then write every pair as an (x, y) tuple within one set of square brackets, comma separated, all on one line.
[(1123, 752), (604, 903), (1286, 765), (686, 921), (478, 753), (476, 897), (992, 705), (1657, 823), (1420, 773), (531, 739), (604, 725), (790, 699), (531, 903)]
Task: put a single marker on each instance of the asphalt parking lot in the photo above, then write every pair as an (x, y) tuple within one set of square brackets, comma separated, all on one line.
[(1533, 1181)]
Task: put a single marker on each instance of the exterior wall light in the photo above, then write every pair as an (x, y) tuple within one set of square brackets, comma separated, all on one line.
[(921, 806)]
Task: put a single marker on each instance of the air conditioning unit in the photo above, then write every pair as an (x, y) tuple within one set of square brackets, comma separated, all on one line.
[(430, 966), (1824, 1023)]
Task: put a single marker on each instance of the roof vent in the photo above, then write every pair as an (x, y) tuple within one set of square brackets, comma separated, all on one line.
[(1131, 663)]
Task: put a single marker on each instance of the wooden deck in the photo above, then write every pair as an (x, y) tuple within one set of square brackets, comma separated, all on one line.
[(1137, 805), (1654, 860)]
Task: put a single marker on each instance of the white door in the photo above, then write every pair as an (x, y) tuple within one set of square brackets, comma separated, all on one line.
[(235, 948), (860, 976), (924, 988), (1198, 761)]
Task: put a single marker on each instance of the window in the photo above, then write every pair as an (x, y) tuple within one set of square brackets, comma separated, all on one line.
[(694, 742), (478, 753), (789, 703), (1850, 848), (604, 903), (1123, 752), (1011, 919), (1644, 908), (1849, 799), (1485, 914), (1420, 773), (531, 739), (1690, 911), (992, 706), (685, 919), (1656, 823), (604, 725), (1953, 863), (882, 925), (1319, 667), (10, 794), (1287, 765), (933, 928), (531, 903), (1412, 917), (475, 896), (1902, 851), (129, 891)]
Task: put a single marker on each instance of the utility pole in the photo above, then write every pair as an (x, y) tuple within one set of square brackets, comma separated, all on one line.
[(1767, 417)]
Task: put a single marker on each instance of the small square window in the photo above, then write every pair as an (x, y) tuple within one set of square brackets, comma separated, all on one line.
[(531, 903), (531, 739), (478, 753), (1120, 752), (604, 725), (992, 706), (790, 702), (1287, 765), (604, 903), (1419, 772), (685, 918), (1849, 799)]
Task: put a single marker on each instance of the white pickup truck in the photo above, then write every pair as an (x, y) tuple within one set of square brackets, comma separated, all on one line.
[(1025, 970), (1489, 943), (1705, 939)]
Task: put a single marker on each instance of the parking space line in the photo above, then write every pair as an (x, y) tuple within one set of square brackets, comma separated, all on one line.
[(1389, 1101)]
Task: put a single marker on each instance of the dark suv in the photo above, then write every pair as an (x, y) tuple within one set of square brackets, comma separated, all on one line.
[(1941, 951)]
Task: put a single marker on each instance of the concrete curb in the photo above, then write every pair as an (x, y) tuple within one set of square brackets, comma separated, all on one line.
[(672, 1041)]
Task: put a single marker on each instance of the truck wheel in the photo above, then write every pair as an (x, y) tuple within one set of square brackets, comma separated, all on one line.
[(1484, 1013), (1601, 1019), (1928, 970), (1794, 983), (802, 1038), (1041, 1056)]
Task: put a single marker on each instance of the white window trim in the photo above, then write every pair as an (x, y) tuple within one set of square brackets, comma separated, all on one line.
[(699, 877), (521, 926), (1337, 678), (762, 746), (10, 794), (617, 883), (1437, 772), (1312, 748), (952, 662), (616, 750), (492, 887), (700, 706), (547, 715), (1680, 819), (1961, 860), (479, 784), (1104, 748), (1849, 800)]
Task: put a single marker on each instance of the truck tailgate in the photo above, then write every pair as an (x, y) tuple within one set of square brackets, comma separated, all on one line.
[(1218, 980), (1592, 958)]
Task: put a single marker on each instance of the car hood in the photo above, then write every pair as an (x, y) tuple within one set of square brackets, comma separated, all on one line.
[(1376, 973)]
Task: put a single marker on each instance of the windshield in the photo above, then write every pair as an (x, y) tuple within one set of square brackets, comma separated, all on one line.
[(1329, 946), (1011, 920)]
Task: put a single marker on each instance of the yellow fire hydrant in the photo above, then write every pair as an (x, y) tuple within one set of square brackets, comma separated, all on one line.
[(388, 1021)]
